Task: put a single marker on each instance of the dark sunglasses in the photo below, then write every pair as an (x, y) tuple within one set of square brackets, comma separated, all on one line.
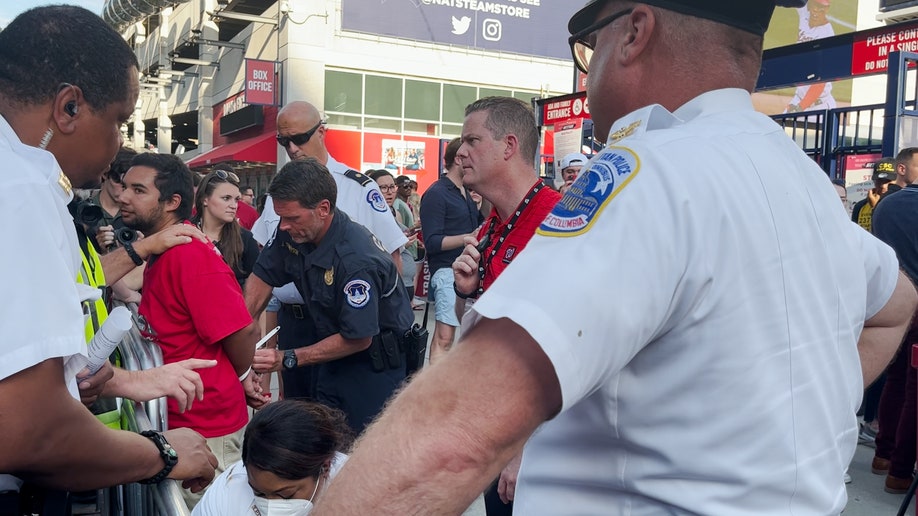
[(223, 175), (297, 139), (582, 42)]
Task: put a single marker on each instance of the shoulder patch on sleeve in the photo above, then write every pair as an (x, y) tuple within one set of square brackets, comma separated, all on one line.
[(364, 180), (358, 293), (609, 173), (375, 199)]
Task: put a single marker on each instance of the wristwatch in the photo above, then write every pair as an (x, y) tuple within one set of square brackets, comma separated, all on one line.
[(129, 249), (166, 451), (290, 359)]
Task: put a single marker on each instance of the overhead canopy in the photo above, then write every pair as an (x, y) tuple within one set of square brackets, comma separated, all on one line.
[(258, 149)]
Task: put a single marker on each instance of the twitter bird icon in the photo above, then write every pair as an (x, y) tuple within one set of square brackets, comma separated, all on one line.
[(461, 25)]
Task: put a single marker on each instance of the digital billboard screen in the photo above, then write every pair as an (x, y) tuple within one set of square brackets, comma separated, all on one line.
[(533, 27)]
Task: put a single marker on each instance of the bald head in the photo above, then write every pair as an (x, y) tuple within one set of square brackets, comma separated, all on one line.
[(300, 109), (300, 126)]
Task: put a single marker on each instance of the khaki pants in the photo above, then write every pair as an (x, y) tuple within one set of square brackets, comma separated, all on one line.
[(228, 450)]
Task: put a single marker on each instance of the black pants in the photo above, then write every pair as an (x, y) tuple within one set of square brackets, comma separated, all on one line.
[(296, 331), (34, 501), (350, 385)]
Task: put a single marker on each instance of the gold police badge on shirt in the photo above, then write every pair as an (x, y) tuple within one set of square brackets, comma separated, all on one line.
[(329, 277)]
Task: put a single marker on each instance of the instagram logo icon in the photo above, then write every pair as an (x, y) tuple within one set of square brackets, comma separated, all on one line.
[(491, 29)]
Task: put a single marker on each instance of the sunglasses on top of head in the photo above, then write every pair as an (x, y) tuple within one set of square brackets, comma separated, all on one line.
[(298, 139), (227, 176)]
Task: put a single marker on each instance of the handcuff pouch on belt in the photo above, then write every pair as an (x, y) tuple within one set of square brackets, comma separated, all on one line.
[(385, 351)]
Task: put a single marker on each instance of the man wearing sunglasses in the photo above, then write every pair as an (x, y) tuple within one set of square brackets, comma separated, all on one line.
[(301, 132), (713, 353)]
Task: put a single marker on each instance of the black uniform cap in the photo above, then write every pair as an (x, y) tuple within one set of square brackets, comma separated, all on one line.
[(749, 15)]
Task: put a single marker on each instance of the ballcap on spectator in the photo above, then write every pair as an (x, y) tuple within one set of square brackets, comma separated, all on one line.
[(885, 170), (400, 180), (573, 159), (749, 15)]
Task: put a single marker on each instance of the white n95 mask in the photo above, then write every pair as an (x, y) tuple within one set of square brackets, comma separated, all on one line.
[(292, 507)]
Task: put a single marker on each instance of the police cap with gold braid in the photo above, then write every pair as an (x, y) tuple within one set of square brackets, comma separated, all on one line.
[(749, 15)]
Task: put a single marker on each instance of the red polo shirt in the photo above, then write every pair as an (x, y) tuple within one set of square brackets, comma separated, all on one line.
[(514, 242)]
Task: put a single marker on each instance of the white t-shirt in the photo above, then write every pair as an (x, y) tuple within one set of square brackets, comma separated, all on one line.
[(231, 495), (41, 316), (364, 204), (708, 363), (807, 33)]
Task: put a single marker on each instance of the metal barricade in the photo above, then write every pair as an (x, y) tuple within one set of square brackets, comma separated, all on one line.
[(165, 498)]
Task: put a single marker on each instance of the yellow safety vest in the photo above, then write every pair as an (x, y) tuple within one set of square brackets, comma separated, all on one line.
[(91, 274)]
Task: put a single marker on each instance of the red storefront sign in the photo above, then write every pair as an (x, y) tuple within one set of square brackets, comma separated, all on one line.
[(565, 109), (870, 53), (260, 82)]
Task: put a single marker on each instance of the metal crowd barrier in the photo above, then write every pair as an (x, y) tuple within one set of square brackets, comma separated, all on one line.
[(165, 498), (137, 355)]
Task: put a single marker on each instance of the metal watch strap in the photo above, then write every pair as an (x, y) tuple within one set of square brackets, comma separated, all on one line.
[(166, 452), (129, 249)]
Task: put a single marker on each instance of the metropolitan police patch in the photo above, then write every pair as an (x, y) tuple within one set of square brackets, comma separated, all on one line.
[(376, 201), (357, 293), (609, 173)]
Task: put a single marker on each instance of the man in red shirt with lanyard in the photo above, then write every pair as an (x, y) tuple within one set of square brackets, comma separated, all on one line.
[(192, 306), (499, 144)]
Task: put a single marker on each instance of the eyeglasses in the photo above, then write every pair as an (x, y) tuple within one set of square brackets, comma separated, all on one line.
[(226, 176), (387, 188), (298, 139), (582, 43)]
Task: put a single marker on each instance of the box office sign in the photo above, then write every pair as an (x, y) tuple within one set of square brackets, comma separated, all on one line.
[(260, 82)]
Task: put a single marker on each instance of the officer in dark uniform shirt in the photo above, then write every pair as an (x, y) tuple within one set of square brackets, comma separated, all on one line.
[(352, 290)]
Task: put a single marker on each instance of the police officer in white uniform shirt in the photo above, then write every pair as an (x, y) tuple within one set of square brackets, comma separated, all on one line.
[(53, 135), (719, 334)]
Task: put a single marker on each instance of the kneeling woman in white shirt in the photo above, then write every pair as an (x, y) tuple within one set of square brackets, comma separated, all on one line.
[(290, 452)]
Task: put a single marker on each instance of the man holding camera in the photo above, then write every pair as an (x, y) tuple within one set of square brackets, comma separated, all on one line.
[(106, 199)]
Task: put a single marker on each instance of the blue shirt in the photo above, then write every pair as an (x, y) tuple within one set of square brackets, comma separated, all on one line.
[(446, 212), (348, 281), (894, 222)]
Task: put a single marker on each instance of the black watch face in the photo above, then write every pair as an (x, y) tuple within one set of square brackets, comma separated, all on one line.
[(289, 359)]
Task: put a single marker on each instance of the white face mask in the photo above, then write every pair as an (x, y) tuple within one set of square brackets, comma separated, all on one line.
[(292, 507), (280, 507)]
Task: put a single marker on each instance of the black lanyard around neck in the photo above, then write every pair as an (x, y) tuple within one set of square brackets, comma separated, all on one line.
[(486, 260)]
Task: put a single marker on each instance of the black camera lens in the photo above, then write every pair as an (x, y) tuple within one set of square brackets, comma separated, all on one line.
[(88, 213), (125, 236)]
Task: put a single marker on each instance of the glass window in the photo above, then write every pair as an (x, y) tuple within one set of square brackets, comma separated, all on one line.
[(343, 121), (384, 96), (525, 96), (455, 99), (343, 92), (383, 124), (422, 100), (450, 131), (426, 128), (491, 92)]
